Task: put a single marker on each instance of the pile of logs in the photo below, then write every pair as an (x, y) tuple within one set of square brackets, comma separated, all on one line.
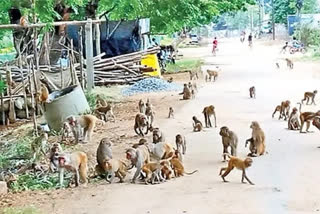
[(123, 69)]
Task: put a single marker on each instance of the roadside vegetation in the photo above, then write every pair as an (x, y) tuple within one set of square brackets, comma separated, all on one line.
[(184, 64)]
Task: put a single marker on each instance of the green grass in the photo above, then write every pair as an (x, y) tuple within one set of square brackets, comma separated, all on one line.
[(27, 210), (184, 64)]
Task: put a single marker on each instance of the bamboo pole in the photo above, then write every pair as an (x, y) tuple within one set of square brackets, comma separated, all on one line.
[(12, 113), (81, 57), (34, 118)]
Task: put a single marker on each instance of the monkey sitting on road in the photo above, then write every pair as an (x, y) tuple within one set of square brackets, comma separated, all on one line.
[(235, 162), (153, 172), (293, 121), (138, 157), (115, 168), (181, 144), (197, 125), (207, 112), (257, 141), (308, 96), (157, 136), (104, 153), (171, 112), (75, 162), (252, 92), (229, 138), (142, 107), (141, 122), (186, 92)]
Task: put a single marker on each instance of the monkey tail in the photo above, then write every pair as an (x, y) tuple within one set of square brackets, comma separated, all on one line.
[(300, 104), (83, 167), (190, 173)]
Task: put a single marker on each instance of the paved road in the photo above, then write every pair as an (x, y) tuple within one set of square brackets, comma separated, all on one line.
[(287, 179)]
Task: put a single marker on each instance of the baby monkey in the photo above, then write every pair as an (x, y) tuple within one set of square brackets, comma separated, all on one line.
[(252, 92), (197, 125), (171, 112), (238, 163)]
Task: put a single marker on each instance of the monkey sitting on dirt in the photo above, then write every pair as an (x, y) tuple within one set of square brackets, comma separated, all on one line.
[(186, 92)]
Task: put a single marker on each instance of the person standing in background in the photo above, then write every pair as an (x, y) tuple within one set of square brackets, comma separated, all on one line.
[(215, 45)]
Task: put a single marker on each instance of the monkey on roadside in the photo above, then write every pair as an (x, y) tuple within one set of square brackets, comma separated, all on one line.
[(212, 74), (160, 151), (207, 112), (178, 168), (252, 92), (157, 136), (85, 122), (289, 63), (283, 109), (257, 141), (153, 172), (149, 113), (104, 153), (308, 96), (66, 131), (138, 157), (316, 122), (75, 162), (293, 121), (181, 144), (55, 150), (229, 139), (171, 112), (186, 92), (307, 117), (115, 168), (166, 170), (141, 122), (142, 107), (193, 75), (238, 163), (104, 112), (39, 145), (197, 125)]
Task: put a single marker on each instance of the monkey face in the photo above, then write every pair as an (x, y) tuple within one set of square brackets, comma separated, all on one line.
[(224, 131), (315, 91), (248, 162), (106, 142), (62, 161), (254, 125), (316, 122)]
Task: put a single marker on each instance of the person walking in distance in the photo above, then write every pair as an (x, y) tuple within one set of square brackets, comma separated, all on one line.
[(250, 40), (215, 45)]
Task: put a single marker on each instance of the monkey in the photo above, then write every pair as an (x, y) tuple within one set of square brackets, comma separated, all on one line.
[(115, 168), (170, 80), (212, 73), (190, 85), (153, 172), (252, 92), (142, 107), (166, 170), (24, 21), (193, 75), (66, 131), (193, 94), (171, 112), (39, 145), (104, 112), (157, 136), (104, 152), (316, 122), (293, 121), (178, 154), (141, 121), (161, 150), (142, 141), (207, 112), (238, 163), (308, 96), (149, 113), (138, 157), (178, 168), (277, 64), (289, 63), (181, 143), (284, 109), (55, 150), (75, 162), (307, 117), (186, 92), (197, 125), (100, 101), (257, 141), (87, 122), (43, 96), (229, 138)]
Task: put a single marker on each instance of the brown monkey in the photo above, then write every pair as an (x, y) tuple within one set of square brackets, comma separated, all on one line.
[(39, 145), (308, 96), (289, 63), (212, 73), (157, 136), (238, 163), (186, 92), (104, 152), (66, 131), (229, 138), (75, 162), (283, 109), (104, 112), (150, 113), (142, 107), (141, 142), (181, 143), (193, 93), (193, 75), (293, 121), (115, 168), (166, 171), (100, 101), (257, 141), (55, 150), (85, 122), (307, 117), (24, 21), (178, 168), (153, 172), (43, 94), (316, 122), (141, 122), (252, 92), (197, 125), (207, 112), (160, 150), (138, 158), (171, 112)]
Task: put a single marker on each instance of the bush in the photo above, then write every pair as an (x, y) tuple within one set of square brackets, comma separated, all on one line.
[(309, 36), (27, 210), (184, 64), (3, 86)]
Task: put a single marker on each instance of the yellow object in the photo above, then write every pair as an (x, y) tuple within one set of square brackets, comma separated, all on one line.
[(151, 60)]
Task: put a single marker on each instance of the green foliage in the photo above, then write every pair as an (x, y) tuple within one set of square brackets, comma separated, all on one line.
[(27, 210), (92, 99), (3, 86), (309, 36), (184, 64)]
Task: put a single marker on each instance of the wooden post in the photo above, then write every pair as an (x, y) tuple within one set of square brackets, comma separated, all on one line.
[(89, 55), (73, 71), (62, 79), (97, 32), (2, 105), (12, 112), (47, 48), (81, 57), (34, 118)]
